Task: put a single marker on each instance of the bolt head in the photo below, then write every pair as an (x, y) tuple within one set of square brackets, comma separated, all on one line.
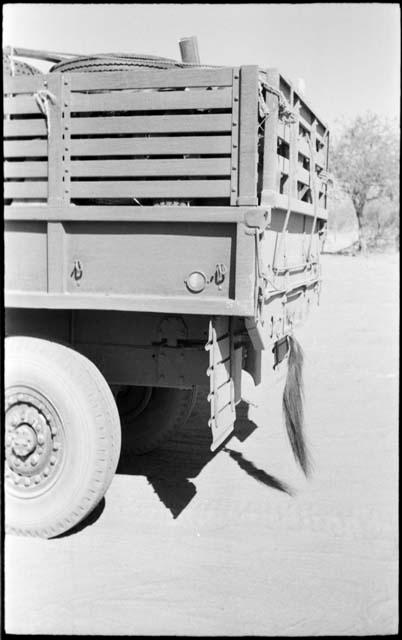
[(53, 460), (53, 430), (41, 438), (36, 479), (34, 460), (27, 482), (56, 445), (46, 471)]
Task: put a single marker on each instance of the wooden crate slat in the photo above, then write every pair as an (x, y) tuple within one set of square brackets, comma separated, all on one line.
[(304, 148), (25, 169), (171, 167), (153, 100), (22, 104), (152, 146), (152, 189), (24, 84), (150, 124), (27, 128), (25, 148), (148, 79), (25, 189)]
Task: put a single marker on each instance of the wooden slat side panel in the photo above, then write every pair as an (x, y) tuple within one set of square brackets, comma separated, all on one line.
[(152, 100), (133, 168), (150, 124), (148, 79), (25, 148), (151, 189), (152, 146)]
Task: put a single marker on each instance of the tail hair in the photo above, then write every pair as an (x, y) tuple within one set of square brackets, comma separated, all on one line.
[(292, 405)]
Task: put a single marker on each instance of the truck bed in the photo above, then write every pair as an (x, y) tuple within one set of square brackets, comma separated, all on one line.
[(125, 183)]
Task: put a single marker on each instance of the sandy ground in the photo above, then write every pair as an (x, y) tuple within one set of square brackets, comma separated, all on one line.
[(239, 543)]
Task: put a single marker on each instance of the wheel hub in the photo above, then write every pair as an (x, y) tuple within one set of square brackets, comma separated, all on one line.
[(34, 441), (24, 440)]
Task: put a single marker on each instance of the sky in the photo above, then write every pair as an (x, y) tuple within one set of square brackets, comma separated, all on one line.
[(348, 54)]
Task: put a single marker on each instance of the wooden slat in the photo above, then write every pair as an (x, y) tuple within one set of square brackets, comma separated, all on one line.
[(21, 104), (18, 128), (174, 167), (133, 213), (152, 189), (248, 135), (221, 372), (25, 169), (148, 79), (152, 146), (24, 84), (303, 175), (153, 100), (25, 189), (151, 124), (25, 148), (304, 148)]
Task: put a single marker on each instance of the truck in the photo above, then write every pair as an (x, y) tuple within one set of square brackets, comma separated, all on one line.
[(163, 227)]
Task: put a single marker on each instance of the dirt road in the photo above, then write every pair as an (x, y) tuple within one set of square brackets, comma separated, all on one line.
[(239, 543)]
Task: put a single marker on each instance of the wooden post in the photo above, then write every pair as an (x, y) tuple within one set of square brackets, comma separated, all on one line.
[(248, 136), (270, 184)]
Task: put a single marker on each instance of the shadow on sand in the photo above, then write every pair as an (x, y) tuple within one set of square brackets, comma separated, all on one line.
[(170, 469)]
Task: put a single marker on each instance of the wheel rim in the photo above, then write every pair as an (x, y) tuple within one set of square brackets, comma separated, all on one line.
[(132, 401), (35, 443)]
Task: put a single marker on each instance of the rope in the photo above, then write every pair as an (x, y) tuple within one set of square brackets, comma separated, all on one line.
[(43, 98), (285, 111), (12, 61)]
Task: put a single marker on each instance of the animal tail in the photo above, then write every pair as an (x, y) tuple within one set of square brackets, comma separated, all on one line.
[(292, 405)]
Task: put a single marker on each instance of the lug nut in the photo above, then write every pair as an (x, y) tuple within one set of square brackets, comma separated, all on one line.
[(34, 460), (56, 445), (53, 430), (41, 438), (36, 479), (53, 460), (27, 482), (46, 471)]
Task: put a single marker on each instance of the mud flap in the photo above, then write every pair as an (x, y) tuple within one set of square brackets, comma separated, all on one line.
[(222, 361)]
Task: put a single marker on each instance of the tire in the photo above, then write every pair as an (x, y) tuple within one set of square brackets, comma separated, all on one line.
[(150, 415), (62, 437)]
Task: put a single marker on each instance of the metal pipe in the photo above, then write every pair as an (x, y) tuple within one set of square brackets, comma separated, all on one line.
[(189, 50)]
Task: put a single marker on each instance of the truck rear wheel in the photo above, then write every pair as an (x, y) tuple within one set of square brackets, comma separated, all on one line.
[(149, 415), (62, 437)]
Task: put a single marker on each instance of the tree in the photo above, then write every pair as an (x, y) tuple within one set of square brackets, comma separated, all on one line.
[(365, 163)]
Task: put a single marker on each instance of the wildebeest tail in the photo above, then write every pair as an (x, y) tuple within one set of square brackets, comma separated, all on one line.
[(292, 404)]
